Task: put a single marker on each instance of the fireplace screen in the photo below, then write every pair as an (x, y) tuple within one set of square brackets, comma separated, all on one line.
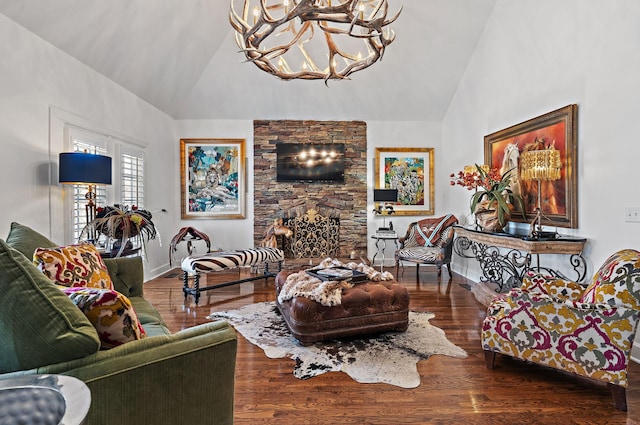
[(314, 236)]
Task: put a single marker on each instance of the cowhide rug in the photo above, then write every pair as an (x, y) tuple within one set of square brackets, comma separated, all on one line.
[(390, 357)]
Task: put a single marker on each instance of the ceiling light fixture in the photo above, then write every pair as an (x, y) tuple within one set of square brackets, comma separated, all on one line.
[(313, 39)]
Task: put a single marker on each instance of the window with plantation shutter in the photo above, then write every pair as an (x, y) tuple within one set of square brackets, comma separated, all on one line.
[(132, 178), (85, 142), (127, 175)]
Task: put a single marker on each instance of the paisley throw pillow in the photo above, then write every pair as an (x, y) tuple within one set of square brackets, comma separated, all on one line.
[(110, 312), (73, 265)]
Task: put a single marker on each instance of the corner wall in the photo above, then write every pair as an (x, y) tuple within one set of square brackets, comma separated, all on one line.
[(535, 57), (39, 84)]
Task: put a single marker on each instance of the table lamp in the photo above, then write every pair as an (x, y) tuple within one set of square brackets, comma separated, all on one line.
[(540, 165), (386, 196), (85, 168)]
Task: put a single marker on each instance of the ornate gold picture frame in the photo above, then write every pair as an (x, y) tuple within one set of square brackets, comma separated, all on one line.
[(559, 130), (410, 170), (212, 176)]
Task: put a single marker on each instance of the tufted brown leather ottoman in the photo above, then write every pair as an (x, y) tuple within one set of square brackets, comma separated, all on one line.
[(366, 308)]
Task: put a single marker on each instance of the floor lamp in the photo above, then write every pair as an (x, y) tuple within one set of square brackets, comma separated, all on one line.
[(540, 165), (85, 168)]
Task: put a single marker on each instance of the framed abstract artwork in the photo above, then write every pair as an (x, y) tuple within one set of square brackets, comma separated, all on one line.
[(410, 170), (212, 177), (557, 130)]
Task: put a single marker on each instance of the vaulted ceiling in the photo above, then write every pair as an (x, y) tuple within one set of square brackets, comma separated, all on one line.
[(180, 56)]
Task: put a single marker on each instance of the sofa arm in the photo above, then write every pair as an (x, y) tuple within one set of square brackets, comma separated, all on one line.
[(187, 377), (127, 275)]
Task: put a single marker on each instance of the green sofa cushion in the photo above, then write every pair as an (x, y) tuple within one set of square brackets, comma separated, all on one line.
[(26, 240), (149, 317), (39, 325)]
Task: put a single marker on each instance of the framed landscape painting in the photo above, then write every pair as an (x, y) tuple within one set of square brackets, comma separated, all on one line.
[(410, 170), (212, 174), (559, 198)]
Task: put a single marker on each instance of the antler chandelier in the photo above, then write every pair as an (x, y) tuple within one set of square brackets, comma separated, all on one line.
[(313, 39)]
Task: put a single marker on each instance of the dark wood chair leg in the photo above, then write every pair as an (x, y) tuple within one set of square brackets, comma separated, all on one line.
[(619, 394), (449, 269), (417, 272), (489, 358)]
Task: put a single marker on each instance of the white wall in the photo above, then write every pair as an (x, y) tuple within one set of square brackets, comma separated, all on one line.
[(535, 57), (36, 77), (406, 134), (228, 234), (224, 234), (42, 87)]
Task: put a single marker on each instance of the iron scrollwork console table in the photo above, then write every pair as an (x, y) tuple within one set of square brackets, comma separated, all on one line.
[(508, 268)]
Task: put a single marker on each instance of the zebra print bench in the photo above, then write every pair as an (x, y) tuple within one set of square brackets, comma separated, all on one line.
[(217, 261)]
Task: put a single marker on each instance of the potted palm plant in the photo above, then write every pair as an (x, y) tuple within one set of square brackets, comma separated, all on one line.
[(493, 200)]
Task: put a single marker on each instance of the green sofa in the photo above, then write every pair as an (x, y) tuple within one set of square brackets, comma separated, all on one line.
[(181, 378)]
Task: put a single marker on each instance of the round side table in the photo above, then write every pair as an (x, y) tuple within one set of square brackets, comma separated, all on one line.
[(44, 400)]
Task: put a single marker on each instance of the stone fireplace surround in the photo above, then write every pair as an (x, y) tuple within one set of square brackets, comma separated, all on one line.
[(347, 200)]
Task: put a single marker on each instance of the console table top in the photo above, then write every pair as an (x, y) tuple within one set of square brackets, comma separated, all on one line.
[(560, 245)]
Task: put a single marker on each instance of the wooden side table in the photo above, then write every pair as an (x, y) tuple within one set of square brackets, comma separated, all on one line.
[(508, 269)]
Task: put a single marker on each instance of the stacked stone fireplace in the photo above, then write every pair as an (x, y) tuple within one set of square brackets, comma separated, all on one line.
[(343, 204)]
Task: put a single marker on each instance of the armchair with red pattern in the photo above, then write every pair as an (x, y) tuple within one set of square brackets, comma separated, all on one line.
[(561, 324), (428, 241)]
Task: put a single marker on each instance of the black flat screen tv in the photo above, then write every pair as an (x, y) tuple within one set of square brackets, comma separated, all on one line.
[(310, 162)]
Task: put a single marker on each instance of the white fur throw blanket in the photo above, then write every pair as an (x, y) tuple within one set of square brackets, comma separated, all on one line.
[(327, 293)]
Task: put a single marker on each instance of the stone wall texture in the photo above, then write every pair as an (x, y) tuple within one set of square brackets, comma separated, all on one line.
[(347, 199)]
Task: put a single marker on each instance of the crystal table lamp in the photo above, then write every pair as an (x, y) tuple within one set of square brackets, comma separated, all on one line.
[(540, 165)]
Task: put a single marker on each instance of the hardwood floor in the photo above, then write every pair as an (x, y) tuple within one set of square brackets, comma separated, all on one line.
[(453, 391)]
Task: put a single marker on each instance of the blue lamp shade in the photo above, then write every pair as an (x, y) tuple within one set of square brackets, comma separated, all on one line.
[(84, 168), (385, 195)]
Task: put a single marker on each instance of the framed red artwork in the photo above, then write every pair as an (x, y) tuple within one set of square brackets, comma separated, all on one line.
[(556, 129)]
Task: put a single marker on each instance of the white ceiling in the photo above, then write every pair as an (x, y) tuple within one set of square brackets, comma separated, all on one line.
[(180, 56)]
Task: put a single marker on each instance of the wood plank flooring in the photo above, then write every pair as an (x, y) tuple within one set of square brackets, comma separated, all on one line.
[(453, 391)]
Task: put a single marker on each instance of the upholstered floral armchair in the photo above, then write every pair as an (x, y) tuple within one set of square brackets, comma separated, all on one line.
[(558, 323), (428, 241)]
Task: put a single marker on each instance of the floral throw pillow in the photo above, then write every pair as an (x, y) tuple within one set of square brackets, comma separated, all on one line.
[(110, 312), (73, 265)]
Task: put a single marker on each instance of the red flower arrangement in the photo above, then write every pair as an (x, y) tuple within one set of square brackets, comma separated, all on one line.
[(471, 178), (492, 190)]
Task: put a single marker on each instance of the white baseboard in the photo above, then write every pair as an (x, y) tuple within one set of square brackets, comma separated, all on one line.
[(158, 271)]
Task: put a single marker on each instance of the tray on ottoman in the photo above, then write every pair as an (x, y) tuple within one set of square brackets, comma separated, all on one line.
[(338, 273), (368, 307)]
